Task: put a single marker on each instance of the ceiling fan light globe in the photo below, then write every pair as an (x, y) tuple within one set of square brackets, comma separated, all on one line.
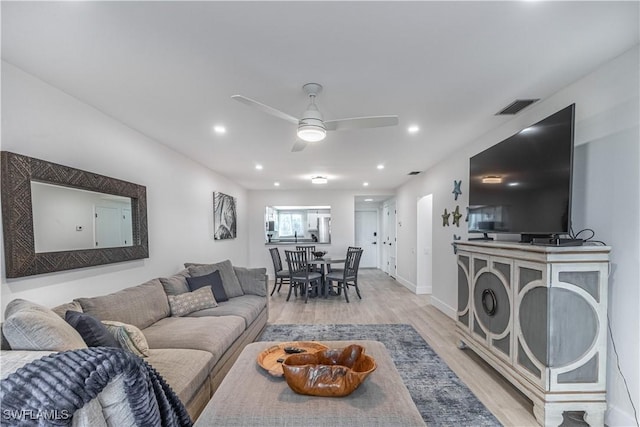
[(311, 133)]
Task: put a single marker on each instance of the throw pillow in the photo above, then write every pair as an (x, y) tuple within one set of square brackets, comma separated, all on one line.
[(176, 284), (129, 337), (92, 331), (30, 326), (252, 280), (214, 280), (61, 310), (229, 279), (186, 303)]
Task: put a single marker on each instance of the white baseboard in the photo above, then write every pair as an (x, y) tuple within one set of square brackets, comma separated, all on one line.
[(407, 284), (616, 417), (443, 307), (413, 287)]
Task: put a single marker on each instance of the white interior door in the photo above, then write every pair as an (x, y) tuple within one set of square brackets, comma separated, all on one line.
[(424, 252), (392, 240), (127, 228), (389, 238), (108, 227), (366, 224)]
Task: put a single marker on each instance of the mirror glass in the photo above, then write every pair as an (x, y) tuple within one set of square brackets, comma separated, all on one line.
[(67, 219), (298, 224)]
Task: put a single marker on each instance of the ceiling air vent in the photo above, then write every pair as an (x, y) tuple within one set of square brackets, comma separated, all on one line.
[(516, 106), (414, 173)]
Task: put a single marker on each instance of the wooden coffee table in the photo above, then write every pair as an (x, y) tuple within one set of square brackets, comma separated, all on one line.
[(249, 396)]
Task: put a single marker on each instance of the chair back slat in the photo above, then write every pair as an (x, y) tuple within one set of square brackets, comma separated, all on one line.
[(352, 262), (297, 262), (308, 249), (275, 257)]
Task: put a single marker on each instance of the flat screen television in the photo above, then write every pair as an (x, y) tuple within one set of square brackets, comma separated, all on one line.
[(522, 185)]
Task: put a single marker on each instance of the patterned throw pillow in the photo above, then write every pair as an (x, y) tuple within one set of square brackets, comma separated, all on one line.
[(129, 337), (188, 302)]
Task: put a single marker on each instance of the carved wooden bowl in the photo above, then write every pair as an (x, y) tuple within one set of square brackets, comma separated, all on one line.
[(329, 373)]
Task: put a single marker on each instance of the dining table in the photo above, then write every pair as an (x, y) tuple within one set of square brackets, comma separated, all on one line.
[(324, 262)]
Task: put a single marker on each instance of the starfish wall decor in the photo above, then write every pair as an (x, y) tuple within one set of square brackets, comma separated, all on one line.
[(456, 189), (445, 218)]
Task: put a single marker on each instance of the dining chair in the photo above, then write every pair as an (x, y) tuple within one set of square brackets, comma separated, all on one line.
[(282, 276), (349, 275), (309, 249), (339, 270), (300, 274)]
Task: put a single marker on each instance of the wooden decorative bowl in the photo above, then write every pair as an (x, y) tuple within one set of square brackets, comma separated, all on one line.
[(328, 373), (271, 359)]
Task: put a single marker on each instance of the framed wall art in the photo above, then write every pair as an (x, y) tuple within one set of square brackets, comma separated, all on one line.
[(224, 216)]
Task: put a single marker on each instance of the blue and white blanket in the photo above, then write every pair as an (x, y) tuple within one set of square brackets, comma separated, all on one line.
[(62, 383)]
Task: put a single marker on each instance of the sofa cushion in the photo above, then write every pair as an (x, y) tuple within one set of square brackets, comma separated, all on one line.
[(13, 360), (214, 280), (176, 284), (252, 280), (229, 279), (139, 306), (61, 310), (248, 307), (129, 337), (92, 331), (30, 326), (185, 370), (212, 334), (186, 303)]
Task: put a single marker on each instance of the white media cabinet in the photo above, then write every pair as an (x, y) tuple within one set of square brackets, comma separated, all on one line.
[(538, 315)]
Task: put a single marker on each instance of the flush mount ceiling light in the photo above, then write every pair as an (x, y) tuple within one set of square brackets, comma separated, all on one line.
[(277, 184), (380, 166), (319, 180), (492, 180), (259, 167), (219, 129), (413, 129), (365, 184), (311, 127)]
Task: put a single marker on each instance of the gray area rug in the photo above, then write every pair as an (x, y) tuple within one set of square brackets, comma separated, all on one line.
[(441, 398)]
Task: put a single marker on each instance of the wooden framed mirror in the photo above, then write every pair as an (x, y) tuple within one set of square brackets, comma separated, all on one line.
[(23, 176)]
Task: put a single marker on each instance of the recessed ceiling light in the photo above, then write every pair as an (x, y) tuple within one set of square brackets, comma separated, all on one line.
[(220, 130), (365, 184), (413, 129), (319, 180), (513, 184), (259, 167), (368, 200), (380, 166), (277, 184)]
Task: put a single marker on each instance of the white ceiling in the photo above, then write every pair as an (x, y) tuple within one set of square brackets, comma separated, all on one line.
[(168, 70)]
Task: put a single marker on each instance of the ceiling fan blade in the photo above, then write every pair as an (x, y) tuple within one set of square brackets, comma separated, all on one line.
[(269, 110), (298, 146), (361, 123)]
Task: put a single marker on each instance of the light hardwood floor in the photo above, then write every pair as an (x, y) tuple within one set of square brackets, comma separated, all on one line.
[(386, 301)]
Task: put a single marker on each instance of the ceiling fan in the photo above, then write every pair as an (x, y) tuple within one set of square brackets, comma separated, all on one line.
[(311, 127)]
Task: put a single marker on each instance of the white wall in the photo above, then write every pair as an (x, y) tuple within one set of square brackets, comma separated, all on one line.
[(40, 121), (606, 198)]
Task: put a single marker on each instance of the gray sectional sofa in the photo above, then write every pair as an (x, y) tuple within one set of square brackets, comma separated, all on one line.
[(192, 353)]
